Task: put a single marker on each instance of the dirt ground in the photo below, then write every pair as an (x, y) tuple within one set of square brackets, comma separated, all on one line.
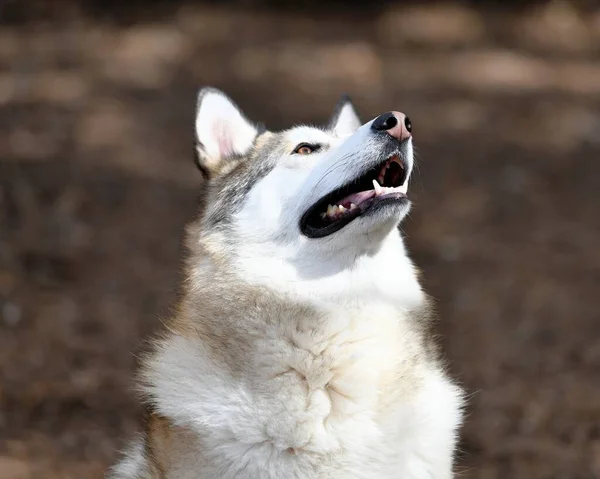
[(97, 182)]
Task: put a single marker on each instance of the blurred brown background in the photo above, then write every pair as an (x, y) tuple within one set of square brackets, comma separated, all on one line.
[(97, 181)]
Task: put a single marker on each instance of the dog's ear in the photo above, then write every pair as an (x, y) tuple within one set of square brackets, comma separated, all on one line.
[(344, 120), (223, 132)]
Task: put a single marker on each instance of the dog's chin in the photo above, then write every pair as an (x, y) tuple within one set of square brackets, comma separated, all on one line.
[(378, 222)]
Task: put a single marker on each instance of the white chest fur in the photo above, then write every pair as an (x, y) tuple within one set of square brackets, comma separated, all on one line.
[(347, 395)]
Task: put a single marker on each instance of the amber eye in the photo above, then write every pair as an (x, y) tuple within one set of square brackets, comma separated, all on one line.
[(305, 149)]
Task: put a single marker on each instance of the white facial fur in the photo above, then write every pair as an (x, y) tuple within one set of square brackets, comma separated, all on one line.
[(364, 259), (277, 202), (367, 256)]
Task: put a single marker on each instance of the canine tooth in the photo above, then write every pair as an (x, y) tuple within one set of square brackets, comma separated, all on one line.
[(403, 188), (377, 187), (352, 206)]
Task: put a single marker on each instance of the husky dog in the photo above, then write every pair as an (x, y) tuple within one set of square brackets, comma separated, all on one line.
[(301, 345)]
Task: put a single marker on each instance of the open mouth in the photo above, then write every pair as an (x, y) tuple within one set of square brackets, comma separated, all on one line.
[(383, 184)]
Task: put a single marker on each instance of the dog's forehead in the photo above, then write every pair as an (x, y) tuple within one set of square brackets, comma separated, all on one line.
[(277, 142), (290, 138), (308, 134)]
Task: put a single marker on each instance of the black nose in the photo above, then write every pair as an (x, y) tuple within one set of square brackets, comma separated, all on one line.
[(384, 122), (394, 123)]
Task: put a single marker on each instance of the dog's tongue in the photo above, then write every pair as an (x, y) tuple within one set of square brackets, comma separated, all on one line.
[(356, 198)]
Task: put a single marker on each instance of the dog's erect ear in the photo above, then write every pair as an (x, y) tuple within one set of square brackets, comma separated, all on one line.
[(344, 120), (222, 131)]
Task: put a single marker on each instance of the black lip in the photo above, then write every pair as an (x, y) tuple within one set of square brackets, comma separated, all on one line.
[(310, 225)]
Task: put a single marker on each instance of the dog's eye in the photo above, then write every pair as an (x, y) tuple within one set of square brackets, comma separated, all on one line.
[(305, 149)]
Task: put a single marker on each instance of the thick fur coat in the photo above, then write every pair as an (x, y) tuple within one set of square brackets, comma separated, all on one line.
[(289, 354)]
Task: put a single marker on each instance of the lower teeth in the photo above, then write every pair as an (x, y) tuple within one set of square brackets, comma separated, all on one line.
[(337, 210)]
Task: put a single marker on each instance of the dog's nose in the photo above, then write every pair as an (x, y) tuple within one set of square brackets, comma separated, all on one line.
[(396, 124)]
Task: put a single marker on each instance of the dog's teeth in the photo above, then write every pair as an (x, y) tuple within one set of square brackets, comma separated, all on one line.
[(341, 209), (352, 206), (330, 210), (403, 188), (377, 187)]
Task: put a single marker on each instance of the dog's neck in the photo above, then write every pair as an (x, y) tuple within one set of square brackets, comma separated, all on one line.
[(337, 277)]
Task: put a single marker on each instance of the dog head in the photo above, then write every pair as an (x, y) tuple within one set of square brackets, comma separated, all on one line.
[(305, 196)]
